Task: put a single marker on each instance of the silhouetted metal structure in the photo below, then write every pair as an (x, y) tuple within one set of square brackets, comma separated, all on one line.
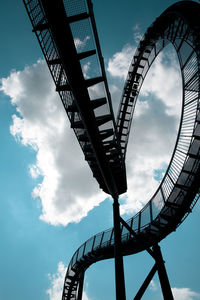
[(68, 37)]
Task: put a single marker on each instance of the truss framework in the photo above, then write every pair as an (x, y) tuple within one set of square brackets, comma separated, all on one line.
[(68, 38), (69, 43)]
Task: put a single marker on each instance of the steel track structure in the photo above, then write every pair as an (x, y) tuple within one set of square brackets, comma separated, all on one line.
[(105, 144), (67, 35)]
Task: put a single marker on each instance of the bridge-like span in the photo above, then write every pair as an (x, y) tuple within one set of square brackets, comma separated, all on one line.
[(68, 37)]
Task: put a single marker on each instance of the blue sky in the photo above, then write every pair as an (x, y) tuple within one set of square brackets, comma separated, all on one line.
[(45, 215)]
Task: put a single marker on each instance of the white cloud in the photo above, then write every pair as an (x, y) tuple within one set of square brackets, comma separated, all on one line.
[(164, 81), (153, 285), (184, 294), (178, 293), (86, 68), (80, 44), (119, 64), (136, 33), (57, 282), (150, 146), (67, 189)]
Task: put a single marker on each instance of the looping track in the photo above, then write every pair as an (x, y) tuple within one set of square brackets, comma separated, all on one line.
[(103, 141)]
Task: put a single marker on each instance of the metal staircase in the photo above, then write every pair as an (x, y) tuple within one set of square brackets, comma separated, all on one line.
[(68, 53)]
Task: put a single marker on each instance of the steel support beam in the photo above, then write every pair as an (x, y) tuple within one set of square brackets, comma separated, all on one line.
[(159, 266), (146, 283), (162, 273), (119, 266), (80, 287)]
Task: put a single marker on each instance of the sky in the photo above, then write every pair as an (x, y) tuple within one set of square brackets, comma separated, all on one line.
[(50, 203)]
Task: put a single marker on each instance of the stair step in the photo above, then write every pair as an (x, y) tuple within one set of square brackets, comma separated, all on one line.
[(86, 54), (115, 151), (109, 145), (196, 137), (87, 148), (92, 81), (193, 155), (98, 102), (134, 93), (142, 58), (127, 113), (139, 66), (157, 224), (114, 158), (106, 133), (131, 99), (55, 61), (41, 27), (72, 108), (83, 137), (64, 87), (137, 75), (125, 120), (188, 172), (172, 205), (181, 186), (77, 124), (103, 119), (78, 17), (165, 217), (90, 157)]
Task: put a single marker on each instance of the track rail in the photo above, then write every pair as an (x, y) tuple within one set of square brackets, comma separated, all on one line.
[(68, 38)]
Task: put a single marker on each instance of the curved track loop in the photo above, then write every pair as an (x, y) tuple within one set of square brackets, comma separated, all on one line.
[(70, 45), (178, 191)]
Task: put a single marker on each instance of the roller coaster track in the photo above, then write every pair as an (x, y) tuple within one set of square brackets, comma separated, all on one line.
[(67, 35)]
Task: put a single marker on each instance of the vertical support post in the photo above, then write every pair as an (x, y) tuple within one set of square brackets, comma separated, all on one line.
[(80, 287), (162, 273), (119, 266)]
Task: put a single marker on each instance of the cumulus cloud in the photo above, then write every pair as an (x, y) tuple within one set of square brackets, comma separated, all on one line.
[(117, 68), (153, 286), (185, 294), (80, 44), (67, 189), (150, 147), (154, 127), (137, 35), (56, 284), (164, 81), (119, 64), (178, 293)]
